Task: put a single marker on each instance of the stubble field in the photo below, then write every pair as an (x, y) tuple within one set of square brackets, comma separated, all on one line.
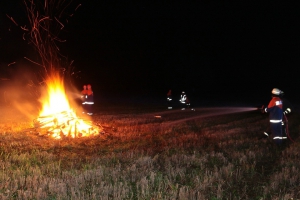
[(151, 153)]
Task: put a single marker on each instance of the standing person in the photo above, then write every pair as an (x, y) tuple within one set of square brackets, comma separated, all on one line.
[(188, 104), (169, 99), (89, 100), (275, 110), (183, 100), (287, 108), (83, 98)]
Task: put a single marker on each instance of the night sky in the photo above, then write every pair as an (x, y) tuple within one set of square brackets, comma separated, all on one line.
[(215, 51)]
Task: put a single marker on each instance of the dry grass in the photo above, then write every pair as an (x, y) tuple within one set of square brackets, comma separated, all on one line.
[(138, 158)]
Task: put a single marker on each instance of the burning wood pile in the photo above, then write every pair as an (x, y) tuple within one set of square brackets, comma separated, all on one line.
[(65, 124), (57, 119)]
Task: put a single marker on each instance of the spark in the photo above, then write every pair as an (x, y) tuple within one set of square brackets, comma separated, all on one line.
[(12, 19), (62, 26), (57, 39), (77, 7), (24, 28), (43, 19), (11, 64), (33, 61)]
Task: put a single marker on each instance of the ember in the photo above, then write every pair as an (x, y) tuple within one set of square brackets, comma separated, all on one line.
[(57, 119)]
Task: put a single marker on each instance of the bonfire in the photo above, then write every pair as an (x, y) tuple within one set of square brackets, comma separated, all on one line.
[(57, 119)]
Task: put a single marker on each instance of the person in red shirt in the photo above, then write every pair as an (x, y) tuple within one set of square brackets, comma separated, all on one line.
[(89, 101)]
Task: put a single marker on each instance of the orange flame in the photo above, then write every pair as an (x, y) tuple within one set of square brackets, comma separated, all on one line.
[(56, 101), (57, 115)]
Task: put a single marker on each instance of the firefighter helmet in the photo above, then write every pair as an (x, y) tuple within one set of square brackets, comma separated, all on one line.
[(277, 91)]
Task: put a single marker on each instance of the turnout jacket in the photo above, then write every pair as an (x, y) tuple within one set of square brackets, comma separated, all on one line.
[(275, 110), (183, 98)]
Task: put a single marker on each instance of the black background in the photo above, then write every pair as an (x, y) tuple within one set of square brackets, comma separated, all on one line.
[(215, 51)]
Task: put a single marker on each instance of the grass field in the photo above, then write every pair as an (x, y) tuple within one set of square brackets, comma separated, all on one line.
[(140, 156)]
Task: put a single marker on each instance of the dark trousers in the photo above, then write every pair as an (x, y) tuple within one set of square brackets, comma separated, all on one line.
[(169, 103), (276, 129), (89, 109), (284, 133)]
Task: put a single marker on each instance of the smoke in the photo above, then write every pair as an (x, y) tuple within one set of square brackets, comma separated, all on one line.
[(19, 89)]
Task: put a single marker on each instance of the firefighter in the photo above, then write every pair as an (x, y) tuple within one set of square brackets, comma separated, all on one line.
[(188, 104), (169, 99), (89, 101), (183, 100), (83, 98), (287, 109), (275, 110)]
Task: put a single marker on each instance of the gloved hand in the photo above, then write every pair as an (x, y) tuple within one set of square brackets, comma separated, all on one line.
[(264, 136), (287, 111), (262, 109)]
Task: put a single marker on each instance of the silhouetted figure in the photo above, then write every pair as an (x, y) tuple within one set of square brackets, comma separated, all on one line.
[(89, 100), (169, 100), (183, 100)]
